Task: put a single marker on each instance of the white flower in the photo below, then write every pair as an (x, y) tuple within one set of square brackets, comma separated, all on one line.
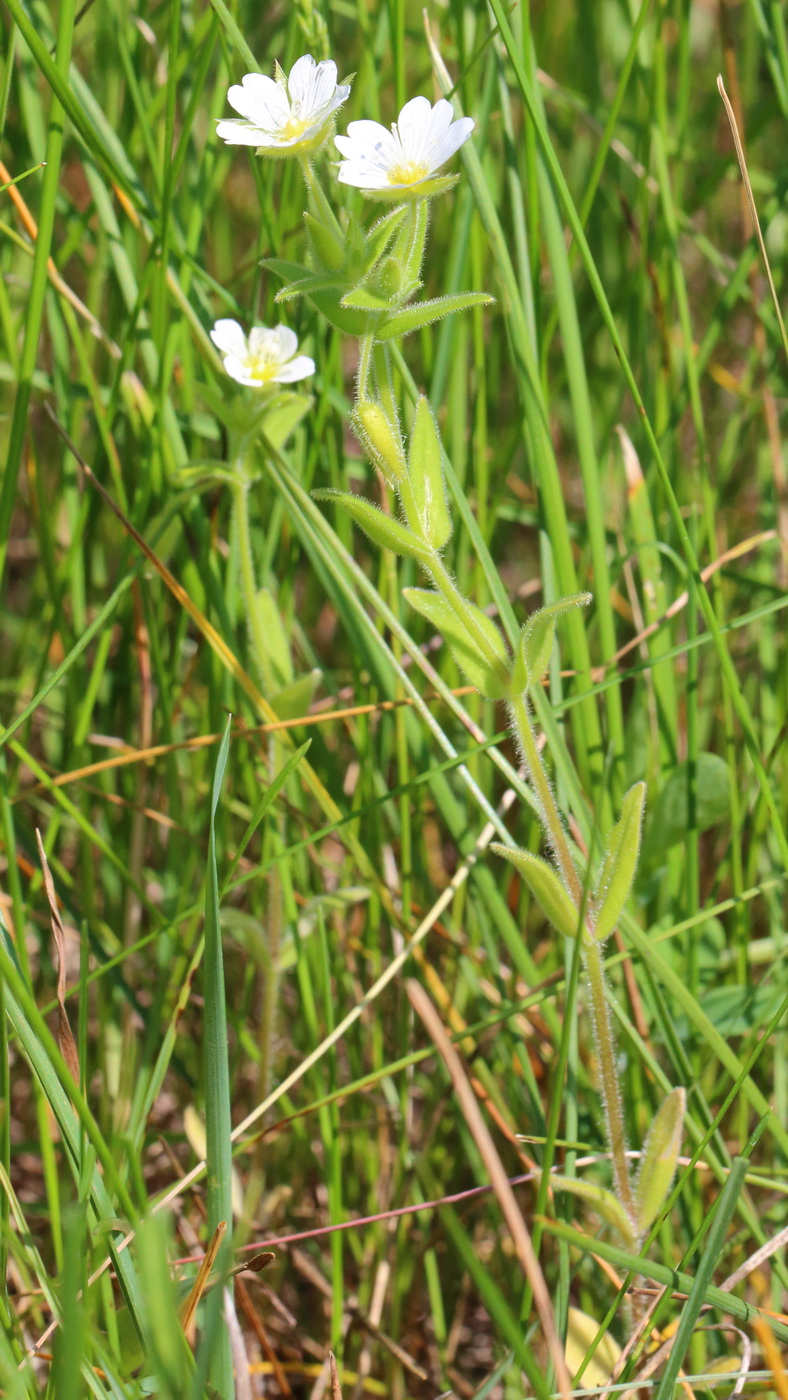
[(268, 356), (288, 116), (404, 161)]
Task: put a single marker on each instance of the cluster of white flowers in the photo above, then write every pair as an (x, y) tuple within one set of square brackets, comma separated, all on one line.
[(294, 115)]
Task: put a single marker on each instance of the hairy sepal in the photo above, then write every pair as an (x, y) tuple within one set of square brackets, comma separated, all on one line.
[(383, 440), (425, 473), (486, 667)]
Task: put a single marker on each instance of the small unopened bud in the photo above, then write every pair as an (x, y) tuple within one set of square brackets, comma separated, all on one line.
[(383, 440)]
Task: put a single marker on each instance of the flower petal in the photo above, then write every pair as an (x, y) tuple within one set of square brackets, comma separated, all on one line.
[(414, 128), (228, 337), (286, 342), (238, 370), (238, 133), (363, 175), (299, 368), (260, 100), (455, 137), (301, 82)]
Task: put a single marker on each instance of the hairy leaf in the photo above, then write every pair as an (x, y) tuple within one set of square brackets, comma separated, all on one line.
[(536, 641), (475, 642), (412, 318), (620, 863), (426, 477), (382, 529), (658, 1160), (545, 886)]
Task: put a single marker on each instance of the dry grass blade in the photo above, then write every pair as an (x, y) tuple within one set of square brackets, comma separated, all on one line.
[(66, 1043), (740, 156), (203, 1274), (336, 1389), (500, 1182)]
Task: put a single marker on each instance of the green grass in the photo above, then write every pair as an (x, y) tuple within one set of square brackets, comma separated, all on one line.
[(600, 202)]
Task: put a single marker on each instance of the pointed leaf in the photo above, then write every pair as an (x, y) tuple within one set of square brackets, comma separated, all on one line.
[(545, 886), (658, 1160), (365, 300), (412, 318), (606, 1205), (477, 646), (382, 529), (379, 237), (345, 319), (315, 282), (425, 473), (276, 635), (293, 700), (283, 414), (327, 247), (536, 641), (619, 864)]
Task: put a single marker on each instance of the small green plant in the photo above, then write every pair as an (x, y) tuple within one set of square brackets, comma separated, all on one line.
[(364, 281)]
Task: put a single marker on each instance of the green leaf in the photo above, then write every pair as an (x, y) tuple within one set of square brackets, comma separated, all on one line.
[(314, 282), (425, 474), (545, 886), (658, 1159), (327, 247), (327, 300), (283, 414), (482, 657), (293, 700), (380, 235), (670, 819), (276, 635), (365, 300), (413, 318), (218, 1121), (606, 1205), (536, 641), (382, 529), (166, 1351), (619, 864)]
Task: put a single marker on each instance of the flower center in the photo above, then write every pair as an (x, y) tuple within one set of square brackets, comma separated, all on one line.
[(295, 124), (409, 172), (262, 367)]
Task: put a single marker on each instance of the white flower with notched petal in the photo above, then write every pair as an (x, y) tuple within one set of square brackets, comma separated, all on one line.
[(268, 356), (287, 116), (403, 163)]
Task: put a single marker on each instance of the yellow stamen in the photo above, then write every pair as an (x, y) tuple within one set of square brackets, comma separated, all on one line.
[(408, 174)]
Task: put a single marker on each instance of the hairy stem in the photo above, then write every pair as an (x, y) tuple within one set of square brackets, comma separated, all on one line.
[(614, 1118), (603, 1030), (540, 782)]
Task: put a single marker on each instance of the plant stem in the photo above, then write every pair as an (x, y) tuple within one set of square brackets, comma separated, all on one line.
[(445, 584), (541, 784), (275, 902), (614, 1118), (318, 195), (366, 346), (241, 486)]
